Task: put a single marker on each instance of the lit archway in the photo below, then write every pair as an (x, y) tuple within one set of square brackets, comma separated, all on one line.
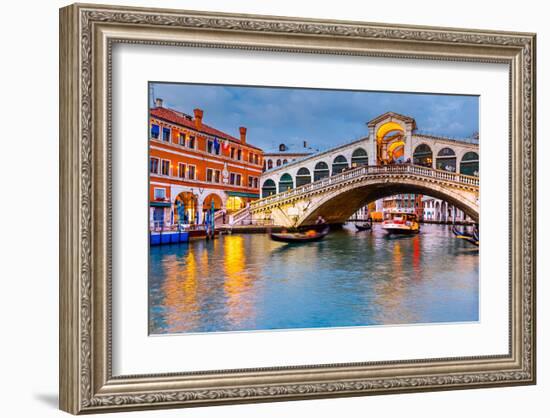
[(268, 188), (285, 183), (185, 208), (303, 176), (469, 164), (213, 197), (390, 145)]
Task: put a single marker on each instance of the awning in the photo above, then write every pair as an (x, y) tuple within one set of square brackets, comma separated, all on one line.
[(160, 204), (243, 194)]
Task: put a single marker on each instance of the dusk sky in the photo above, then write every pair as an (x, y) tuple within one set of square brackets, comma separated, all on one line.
[(324, 118)]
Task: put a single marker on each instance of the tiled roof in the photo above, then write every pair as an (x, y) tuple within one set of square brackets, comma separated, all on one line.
[(179, 118)]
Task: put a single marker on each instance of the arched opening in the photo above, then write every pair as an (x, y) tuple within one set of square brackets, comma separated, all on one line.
[(269, 164), (359, 157), (278, 163), (285, 183), (235, 203), (390, 144), (285, 161), (303, 176), (269, 187), (469, 164), (446, 160), (423, 155), (339, 164), (185, 208), (340, 204), (320, 171), (212, 198)]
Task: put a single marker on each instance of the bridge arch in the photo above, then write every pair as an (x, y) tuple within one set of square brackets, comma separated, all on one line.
[(342, 202), (446, 160), (469, 164), (285, 183), (303, 176), (423, 155), (269, 188), (339, 164), (359, 157), (320, 171)]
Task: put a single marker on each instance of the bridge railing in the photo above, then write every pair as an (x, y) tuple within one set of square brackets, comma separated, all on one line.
[(368, 170)]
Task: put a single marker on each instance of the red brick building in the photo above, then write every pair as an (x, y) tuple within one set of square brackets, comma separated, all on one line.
[(194, 166)]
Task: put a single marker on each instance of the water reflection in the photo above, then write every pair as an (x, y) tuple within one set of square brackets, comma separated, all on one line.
[(248, 282)]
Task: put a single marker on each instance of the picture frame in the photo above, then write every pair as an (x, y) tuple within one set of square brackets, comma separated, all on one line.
[(87, 35)]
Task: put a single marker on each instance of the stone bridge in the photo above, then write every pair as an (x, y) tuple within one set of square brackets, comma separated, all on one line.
[(337, 197)]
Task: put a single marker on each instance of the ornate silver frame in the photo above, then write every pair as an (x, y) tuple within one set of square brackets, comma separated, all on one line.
[(87, 33)]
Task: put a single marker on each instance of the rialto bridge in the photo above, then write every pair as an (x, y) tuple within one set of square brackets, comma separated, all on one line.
[(393, 159)]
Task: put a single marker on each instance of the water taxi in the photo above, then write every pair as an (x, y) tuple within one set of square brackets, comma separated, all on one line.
[(401, 223)]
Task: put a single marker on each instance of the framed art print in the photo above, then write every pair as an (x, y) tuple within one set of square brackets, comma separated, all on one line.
[(259, 208)]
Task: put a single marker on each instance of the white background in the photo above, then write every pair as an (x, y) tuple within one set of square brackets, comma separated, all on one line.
[(30, 191), (133, 67)]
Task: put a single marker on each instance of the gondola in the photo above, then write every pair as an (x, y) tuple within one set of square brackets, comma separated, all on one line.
[(471, 238), (367, 226), (300, 237)]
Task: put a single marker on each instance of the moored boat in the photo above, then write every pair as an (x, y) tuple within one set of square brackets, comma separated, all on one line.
[(401, 223), (300, 237), (472, 238)]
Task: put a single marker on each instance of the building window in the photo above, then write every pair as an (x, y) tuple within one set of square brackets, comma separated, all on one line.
[(181, 170), (278, 163), (181, 139), (191, 143), (160, 194), (155, 131), (166, 134), (250, 157), (165, 168), (154, 166), (217, 175), (256, 159), (232, 153), (235, 179), (210, 146), (209, 175), (239, 155), (256, 182), (269, 164), (191, 172), (250, 181)]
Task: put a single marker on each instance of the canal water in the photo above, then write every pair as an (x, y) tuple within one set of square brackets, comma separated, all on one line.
[(248, 282)]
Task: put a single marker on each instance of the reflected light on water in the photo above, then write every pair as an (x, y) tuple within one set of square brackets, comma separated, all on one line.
[(248, 282)]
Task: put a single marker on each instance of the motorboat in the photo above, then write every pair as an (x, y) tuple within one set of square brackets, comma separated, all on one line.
[(401, 223)]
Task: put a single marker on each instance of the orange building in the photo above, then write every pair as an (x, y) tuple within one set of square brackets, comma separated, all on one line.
[(192, 164)]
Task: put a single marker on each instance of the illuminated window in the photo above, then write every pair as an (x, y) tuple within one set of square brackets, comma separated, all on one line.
[(191, 172), (181, 138), (155, 131), (166, 134), (154, 166), (165, 168), (191, 143), (181, 170)]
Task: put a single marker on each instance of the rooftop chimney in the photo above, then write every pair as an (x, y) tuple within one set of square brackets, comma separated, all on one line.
[(158, 102), (242, 131), (305, 144), (198, 117)]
